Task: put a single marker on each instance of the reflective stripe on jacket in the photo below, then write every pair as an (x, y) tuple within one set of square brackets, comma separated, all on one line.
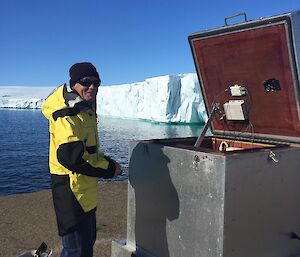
[(74, 159)]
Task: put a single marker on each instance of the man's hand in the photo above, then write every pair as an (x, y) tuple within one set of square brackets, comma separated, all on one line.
[(118, 169)]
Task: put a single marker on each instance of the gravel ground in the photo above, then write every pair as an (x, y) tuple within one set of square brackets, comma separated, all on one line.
[(26, 220)]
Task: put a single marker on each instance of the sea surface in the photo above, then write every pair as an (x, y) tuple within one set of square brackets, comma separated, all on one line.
[(24, 145)]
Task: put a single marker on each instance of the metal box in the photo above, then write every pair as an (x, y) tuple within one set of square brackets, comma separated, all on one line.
[(235, 193)]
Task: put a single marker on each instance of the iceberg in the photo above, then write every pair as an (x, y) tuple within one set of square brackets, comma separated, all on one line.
[(169, 99), (23, 97)]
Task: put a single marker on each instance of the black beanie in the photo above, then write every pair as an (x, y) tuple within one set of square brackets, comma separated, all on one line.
[(81, 70)]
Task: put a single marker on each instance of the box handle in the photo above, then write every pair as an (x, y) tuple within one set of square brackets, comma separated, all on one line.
[(235, 15)]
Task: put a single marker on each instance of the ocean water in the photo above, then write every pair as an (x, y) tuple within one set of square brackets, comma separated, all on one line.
[(24, 145)]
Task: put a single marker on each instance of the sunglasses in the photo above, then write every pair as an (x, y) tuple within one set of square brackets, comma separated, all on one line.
[(88, 83)]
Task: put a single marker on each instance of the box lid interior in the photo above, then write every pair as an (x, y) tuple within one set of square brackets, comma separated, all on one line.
[(260, 59)]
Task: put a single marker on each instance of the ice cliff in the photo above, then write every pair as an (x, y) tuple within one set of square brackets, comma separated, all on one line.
[(170, 98)]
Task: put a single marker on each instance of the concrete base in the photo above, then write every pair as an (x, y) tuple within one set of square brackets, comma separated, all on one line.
[(120, 249)]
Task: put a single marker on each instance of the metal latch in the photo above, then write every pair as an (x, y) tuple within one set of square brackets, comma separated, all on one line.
[(196, 160), (272, 156)]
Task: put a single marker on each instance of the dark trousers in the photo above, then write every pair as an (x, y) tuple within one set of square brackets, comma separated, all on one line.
[(81, 239)]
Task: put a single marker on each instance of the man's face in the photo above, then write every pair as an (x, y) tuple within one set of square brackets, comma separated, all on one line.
[(87, 88)]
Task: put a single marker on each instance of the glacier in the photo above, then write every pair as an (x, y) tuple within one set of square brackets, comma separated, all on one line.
[(169, 99)]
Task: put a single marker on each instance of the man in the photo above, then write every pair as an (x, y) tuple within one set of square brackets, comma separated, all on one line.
[(75, 160)]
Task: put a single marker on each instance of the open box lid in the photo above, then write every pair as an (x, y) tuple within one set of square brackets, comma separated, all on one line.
[(250, 71)]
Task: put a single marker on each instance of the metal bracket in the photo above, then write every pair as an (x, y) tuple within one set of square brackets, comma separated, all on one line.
[(216, 108)]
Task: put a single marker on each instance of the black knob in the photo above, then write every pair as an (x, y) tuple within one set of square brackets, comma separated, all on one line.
[(293, 235)]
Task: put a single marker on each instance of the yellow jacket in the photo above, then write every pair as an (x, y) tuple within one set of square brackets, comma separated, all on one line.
[(74, 159)]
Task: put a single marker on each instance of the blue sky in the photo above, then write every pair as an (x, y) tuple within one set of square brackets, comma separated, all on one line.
[(127, 40)]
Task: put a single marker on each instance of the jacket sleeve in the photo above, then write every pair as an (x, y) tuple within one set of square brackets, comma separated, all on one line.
[(71, 150), (70, 156)]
